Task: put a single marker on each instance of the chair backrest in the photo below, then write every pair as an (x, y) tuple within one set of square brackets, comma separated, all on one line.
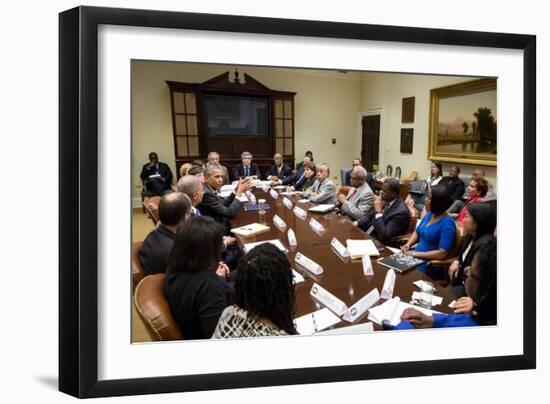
[(152, 207), (154, 310), (459, 238), (389, 170), (398, 172), (137, 269), (412, 224), (343, 173)]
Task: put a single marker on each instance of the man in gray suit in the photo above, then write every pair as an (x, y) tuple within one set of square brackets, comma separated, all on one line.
[(214, 159), (358, 201), (322, 190)]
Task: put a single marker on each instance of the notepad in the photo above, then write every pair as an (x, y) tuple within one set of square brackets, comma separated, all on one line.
[(358, 248), (322, 208), (317, 321), (391, 311), (276, 242), (250, 229)]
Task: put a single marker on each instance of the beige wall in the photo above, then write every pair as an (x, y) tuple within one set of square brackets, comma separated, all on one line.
[(326, 106), (386, 91)]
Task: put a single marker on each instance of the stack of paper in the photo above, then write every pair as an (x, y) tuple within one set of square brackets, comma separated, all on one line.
[(277, 243), (358, 248), (250, 229), (391, 311), (317, 321), (351, 329), (322, 208)]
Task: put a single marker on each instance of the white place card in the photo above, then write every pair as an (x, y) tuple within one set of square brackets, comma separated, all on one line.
[(303, 201), (279, 222), (302, 214), (251, 197), (287, 203), (423, 285), (265, 189), (308, 264), (328, 300), (339, 247), (297, 277), (362, 305), (367, 265), (273, 194), (389, 284), (316, 225), (291, 237)]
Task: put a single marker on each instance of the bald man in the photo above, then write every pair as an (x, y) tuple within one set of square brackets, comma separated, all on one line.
[(174, 209), (279, 170)]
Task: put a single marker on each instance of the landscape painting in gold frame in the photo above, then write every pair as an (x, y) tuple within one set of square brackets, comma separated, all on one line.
[(463, 123)]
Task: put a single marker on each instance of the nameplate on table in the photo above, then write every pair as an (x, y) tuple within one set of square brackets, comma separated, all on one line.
[(318, 227), (302, 214), (389, 284), (339, 247), (308, 263), (328, 300), (297, 277), (251, 197), (279, 222), (367, 265), (362, 305), (273, 194), (287, 203), (291, 237)]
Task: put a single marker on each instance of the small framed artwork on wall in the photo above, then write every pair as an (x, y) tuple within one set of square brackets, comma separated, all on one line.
[(407, 140)]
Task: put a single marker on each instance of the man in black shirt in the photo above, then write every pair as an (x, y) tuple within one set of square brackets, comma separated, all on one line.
[(453, 183), (156, 176), (174, 209)]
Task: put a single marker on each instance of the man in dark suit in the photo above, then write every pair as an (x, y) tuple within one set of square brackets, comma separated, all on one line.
[(191, 186), (453, 183), (221, 209), (354, 163), (309, 156), (389, 217), (247, 168), (279, 170), (156, 176), (174, 209)]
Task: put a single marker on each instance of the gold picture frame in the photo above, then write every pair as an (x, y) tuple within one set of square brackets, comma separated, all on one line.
[(464, 142)]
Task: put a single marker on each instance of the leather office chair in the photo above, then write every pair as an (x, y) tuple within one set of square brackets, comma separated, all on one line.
[(153, 308), (137, 269), (398, 241), (451, 256), (152, 207)]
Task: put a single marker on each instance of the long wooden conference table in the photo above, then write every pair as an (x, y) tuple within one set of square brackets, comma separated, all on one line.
[(342, 277)]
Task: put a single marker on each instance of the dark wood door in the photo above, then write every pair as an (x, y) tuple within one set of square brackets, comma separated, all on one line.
[(370, 142)]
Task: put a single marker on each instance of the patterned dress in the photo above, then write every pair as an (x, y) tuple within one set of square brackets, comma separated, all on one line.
[(237, 323)]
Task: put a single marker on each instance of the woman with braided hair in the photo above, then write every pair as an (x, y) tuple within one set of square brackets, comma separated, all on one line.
[(264, 297), (480, 285)]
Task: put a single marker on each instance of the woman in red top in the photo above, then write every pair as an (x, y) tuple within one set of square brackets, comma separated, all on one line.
[(476, 191)]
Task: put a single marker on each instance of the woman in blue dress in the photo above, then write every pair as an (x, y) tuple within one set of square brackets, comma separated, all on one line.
[(435, 235), (480, 285)]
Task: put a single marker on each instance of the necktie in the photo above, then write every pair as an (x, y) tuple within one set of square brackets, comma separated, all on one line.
[(353, 195), (246, 172)]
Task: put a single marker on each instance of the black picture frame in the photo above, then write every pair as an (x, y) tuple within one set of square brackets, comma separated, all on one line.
[(78, 192)]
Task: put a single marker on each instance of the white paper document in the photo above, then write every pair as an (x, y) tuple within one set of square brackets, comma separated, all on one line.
[(358, 248), (436, 300), (423, 285), (362, 305), (297, 277), (277, 243), (322, 208), (350, 329), (317, 321), (328, 300), (391, 311)]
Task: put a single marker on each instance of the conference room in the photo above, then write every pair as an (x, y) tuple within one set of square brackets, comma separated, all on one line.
[(282, 201)]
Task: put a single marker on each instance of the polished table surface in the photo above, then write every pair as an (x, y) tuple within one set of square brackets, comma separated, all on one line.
[(342, 277)]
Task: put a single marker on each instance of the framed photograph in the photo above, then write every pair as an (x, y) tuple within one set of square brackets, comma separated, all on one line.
[(407, 114), (463, 122), (98, 124)]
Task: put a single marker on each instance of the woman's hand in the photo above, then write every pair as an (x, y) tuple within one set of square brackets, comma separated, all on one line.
[(417, 318), (223, 270), (229, 241), (464, 305), (453, 270)]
